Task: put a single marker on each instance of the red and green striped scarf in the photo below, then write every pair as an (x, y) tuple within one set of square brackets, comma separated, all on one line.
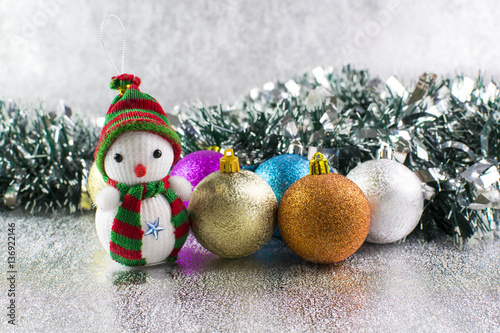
[(126, 231)]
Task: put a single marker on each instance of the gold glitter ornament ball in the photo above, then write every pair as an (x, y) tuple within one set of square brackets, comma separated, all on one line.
[(95, 183), (233, 212), (324, 217)]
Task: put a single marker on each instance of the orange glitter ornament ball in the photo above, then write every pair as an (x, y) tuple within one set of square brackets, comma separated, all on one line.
[(324, 217)]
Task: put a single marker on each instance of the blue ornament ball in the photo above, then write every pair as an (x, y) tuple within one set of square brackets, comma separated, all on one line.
[(281, 171)]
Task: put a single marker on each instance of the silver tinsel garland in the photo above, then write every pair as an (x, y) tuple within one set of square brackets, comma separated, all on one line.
[(45, 158), (444, 130)]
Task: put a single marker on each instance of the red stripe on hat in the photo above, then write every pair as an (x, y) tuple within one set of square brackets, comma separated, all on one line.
[(127, 116), (182, 230), (127, 230), (145, 104), (123, 252), (127, 121), (177, 206), (177, 152), (134, 113)]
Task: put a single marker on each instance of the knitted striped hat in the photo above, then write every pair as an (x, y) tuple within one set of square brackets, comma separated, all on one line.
[(133, 110)]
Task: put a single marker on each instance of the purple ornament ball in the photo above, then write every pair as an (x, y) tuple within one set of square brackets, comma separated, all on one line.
[(196, 166)]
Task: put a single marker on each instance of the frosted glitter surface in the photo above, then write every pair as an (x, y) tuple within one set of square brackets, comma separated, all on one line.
[(324, 218), (196, 166), (394, 193), (66, 283), (233, 214), (282, 171)]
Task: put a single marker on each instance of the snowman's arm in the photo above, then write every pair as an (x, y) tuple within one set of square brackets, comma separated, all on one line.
[(108, 198), (182, 187)]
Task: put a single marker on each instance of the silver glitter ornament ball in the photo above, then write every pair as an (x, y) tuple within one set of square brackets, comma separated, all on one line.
[(395, 196)]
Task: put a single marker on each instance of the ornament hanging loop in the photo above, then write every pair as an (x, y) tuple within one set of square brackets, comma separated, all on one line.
[(229, 163), (385, 151), (124, 43), (318, 165), (295, 147)]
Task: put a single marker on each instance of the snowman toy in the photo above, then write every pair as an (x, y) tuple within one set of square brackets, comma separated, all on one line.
[(140, 218)]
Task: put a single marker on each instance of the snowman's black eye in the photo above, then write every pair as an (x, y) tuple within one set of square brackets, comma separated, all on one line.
[(118, 158), (157, 153)]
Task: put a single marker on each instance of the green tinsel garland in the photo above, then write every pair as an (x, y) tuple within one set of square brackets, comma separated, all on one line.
[(445, 130), (44, 158)]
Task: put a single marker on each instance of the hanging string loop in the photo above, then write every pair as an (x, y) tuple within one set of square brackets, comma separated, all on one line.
[(124, 43)]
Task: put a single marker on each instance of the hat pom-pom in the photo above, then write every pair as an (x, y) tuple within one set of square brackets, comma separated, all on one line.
[(124, 81)]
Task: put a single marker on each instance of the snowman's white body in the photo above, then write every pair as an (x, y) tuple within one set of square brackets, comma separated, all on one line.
[(153, 250), (137, 148)]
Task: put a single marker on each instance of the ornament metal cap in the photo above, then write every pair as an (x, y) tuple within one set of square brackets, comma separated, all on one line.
[(384, 152), (318, 165), (295, 147), (229, 163)]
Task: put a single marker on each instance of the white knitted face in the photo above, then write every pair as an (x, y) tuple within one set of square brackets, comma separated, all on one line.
[(138, 157)]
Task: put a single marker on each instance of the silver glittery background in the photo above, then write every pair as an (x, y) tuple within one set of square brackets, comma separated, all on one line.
[(188, 50), (215, 50), (66, 283)]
